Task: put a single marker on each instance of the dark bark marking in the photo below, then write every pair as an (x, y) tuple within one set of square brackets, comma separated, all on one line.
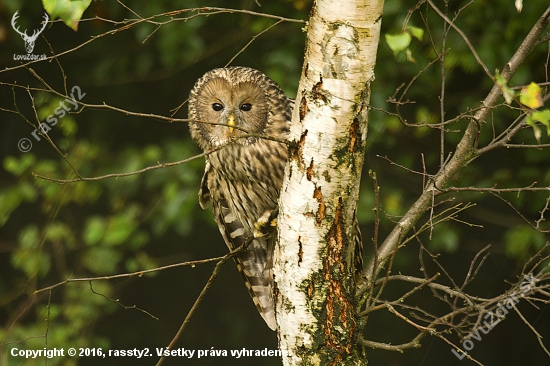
[(301, 144), (303, 108), (354, 136), (317, 91), (300, 250), (309, 170), (296, 150), (340, 322), (318, 195)]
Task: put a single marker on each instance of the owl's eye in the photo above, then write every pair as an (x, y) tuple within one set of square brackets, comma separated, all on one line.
[(245, 107), (217, 107)]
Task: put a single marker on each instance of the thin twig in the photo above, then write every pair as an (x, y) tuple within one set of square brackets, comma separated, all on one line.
[(464, 37), (132, 274), (537, 334), (125, 307), (252, 40), (207, 286)]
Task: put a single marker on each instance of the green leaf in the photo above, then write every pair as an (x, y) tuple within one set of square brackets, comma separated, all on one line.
[(416, 32), (19, 166), (95, 230), (68, 11), (399, 42), (542, 116), (536, 130), (119, 230), (530, 96), (508, 93)]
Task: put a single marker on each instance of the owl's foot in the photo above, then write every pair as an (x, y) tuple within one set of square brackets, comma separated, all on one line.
[(266, 223)]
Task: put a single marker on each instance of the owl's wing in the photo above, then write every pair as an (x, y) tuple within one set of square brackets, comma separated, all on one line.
[(204, 192), (255, 262)]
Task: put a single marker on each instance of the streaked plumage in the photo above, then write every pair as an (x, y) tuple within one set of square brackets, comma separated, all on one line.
[(243, 179)]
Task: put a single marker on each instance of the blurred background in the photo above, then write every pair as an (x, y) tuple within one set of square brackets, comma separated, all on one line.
[(51, 232)]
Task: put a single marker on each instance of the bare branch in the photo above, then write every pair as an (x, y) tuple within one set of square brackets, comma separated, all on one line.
[(537, 334), (464, 37), (117, 301), (120, 175), (138, 273), (463, 155), (415, 343), (197, 302), (250, 42)]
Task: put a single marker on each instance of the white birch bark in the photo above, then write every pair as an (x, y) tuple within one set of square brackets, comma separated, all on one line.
[(313, 265)]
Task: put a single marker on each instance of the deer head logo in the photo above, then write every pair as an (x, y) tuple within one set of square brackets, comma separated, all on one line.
[(29, 40)]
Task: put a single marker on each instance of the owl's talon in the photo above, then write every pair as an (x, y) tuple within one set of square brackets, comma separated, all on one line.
[(265, 223)]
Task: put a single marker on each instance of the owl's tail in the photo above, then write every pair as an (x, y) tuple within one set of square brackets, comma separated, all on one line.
[(258, 277), (255, 262)]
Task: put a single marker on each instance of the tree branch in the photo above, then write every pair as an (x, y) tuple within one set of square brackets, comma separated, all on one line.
[(464, 153)]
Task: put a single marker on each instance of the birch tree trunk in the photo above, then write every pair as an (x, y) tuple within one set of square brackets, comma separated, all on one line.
[(314, 260)]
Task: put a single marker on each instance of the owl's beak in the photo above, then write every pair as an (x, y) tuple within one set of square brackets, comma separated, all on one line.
[(231, 123)]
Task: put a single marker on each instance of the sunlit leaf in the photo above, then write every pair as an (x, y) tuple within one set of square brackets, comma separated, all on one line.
[(399, 42), (542, 116), (530, 96), (416, 32), (68, 11)]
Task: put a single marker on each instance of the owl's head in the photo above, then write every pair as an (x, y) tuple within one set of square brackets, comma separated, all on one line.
[(231, 102)]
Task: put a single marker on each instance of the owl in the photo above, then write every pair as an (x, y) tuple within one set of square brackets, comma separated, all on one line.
[(229, 110)]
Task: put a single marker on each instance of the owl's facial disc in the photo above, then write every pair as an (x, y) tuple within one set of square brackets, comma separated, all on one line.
[(231, 110)]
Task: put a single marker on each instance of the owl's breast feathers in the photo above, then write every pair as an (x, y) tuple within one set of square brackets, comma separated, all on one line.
[(242, 184)]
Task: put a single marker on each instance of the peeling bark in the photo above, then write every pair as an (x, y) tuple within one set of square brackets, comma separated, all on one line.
[(314, 260)]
